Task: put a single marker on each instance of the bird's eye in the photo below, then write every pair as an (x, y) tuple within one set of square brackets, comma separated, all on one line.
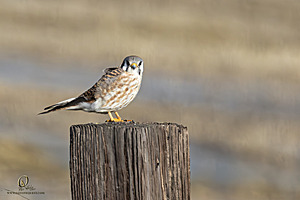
[(140, 63)]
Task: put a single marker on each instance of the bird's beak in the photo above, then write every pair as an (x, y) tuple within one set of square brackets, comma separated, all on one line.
[(133, 65)]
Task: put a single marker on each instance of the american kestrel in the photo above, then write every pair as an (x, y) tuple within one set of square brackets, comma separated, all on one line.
[(112, 92)]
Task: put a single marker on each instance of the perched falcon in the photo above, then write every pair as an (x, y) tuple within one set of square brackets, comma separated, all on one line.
[(112, 92)]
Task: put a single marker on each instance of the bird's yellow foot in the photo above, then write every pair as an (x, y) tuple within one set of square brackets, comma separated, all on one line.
[(114, 120), (118, 119), (128, 120)]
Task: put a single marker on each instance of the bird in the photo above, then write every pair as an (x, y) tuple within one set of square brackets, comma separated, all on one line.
[(112, 92)]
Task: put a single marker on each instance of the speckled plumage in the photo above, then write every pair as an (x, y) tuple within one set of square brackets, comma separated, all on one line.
[(112, 92)]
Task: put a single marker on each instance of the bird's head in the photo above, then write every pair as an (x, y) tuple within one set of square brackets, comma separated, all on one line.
[(133, 64)]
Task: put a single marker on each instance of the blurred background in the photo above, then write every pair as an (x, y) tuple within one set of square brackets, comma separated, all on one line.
[(228, 70)]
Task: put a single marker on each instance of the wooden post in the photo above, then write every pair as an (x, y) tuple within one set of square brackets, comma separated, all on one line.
[(129, 161)]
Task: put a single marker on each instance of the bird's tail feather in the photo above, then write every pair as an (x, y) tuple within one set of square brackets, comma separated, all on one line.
[(63, 105)]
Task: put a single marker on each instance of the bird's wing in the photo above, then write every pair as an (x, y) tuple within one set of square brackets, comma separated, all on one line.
[(109, 69), (89, 96), (111, 75)]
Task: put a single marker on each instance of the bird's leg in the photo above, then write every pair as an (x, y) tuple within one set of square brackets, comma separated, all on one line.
[(118, 116), (118, 119), (110, 116), (112, 119)]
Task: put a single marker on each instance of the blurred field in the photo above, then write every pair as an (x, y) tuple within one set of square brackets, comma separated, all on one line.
[(241, 59), (250, 39)]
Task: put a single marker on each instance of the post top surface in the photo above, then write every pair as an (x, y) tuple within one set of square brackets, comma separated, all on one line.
[(132, 124)]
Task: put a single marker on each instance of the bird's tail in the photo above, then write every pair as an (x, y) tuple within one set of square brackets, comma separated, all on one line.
[(66, 104)]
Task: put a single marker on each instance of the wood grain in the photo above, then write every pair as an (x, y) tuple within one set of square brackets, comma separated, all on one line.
[(129, 161)]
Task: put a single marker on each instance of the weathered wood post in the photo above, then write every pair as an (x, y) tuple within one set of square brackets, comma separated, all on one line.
[(129, 161)]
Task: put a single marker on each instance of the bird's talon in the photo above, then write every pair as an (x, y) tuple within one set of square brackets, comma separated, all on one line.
[(114, 120), (120, 120), (129, 120)]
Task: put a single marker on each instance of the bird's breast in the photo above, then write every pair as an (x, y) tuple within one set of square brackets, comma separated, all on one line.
[(119, 93)]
